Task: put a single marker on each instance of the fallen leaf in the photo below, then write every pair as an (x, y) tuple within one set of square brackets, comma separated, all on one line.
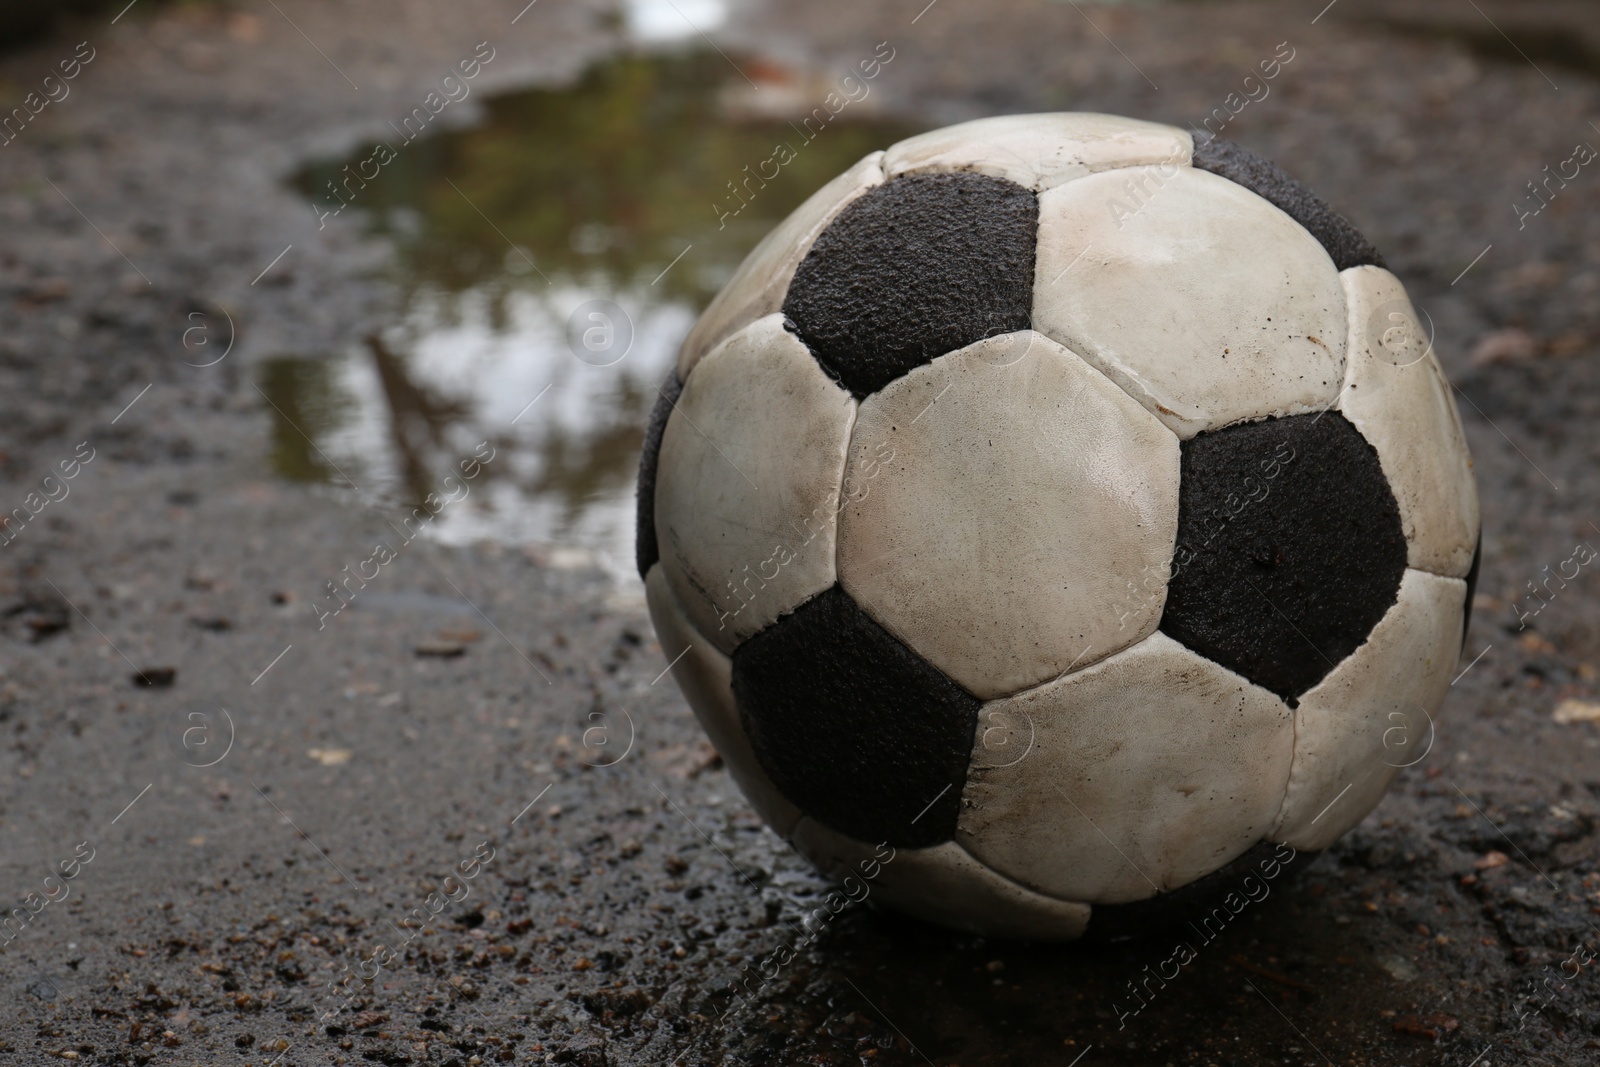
[(1430, 1026), (1569, 711), (245, 27), (45, 290), (1568, 344), (43, 625), (1504, 346), (571, 559), (1492, 858), (686, 761), (1536, 644), (330, 757)]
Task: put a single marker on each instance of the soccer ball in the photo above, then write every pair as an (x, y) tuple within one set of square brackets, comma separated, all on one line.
[(1071, 512)]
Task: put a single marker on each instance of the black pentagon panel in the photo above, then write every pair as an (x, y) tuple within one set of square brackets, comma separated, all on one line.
[(853, 727), (1272, 183), (646, 549), (917, 267), (1289, 549), (1472, 587), (1207, 905)]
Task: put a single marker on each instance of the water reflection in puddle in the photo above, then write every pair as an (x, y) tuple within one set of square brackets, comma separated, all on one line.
[(505, 234), (671, 20)]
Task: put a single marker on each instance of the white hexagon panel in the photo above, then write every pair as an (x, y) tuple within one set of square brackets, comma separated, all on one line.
[(1373, 714), (1200, 298), (747, 497), (1150, 769), (1012, 490), (1395, 393)]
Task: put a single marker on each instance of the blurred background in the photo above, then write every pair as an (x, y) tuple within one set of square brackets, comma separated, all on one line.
[(280, 266)]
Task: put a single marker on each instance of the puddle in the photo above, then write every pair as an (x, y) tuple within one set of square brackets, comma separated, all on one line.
[(506, 236), (672, 20)]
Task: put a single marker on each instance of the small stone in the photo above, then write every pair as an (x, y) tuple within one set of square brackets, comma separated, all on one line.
[(1399, 968), (43, 988), (155, 677)]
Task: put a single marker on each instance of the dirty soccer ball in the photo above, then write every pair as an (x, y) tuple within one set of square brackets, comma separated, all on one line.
[(1073, 508)]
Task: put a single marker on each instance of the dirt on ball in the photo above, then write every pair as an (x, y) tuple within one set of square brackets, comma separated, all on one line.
[(463, 819)]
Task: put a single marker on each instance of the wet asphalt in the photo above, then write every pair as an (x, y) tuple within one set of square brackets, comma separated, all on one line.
[(253, 793)]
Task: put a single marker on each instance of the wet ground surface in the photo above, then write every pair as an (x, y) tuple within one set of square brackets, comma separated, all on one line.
[(253, 789)]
